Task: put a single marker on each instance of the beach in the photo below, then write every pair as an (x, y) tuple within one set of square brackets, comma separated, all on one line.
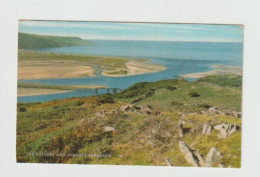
[(35, 91), (134, 68), (216, 70), (53, 69)]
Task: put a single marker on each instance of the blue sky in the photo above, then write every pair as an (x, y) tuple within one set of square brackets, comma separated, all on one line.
[(135, 31)]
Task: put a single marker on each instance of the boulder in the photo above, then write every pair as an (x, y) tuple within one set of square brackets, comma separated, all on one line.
[(100, 113), (109, 129), (195, 159), (234, 114), (226, 130), (212, 157), (168, 162), (126, 108), (206, 129), (220, 165), (188, 154), (199, 158), (213, 110)]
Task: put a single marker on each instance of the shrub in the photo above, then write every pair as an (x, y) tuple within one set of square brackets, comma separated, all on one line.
[(171, 88), (22, 109), (175, 103), (106, 98), (194, 94)]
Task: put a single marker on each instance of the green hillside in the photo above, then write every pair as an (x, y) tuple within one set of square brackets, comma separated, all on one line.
[(32, 41), (223, 80), (97, 125)]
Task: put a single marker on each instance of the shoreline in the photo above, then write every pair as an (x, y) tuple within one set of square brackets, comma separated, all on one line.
[(134, 68), (216, 70), (43, 65), (23, 91)]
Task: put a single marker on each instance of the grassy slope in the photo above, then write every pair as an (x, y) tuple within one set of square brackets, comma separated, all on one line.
[(223, 80), (54, 126), (32, 41), (103, 62)]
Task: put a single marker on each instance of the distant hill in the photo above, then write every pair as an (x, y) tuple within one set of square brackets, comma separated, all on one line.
[(33, 41)]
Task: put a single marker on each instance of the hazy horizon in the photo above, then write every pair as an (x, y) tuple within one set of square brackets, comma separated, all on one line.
[(135, 31)]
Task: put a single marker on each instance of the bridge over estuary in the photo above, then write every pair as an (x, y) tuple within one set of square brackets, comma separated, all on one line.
[(94, 90)]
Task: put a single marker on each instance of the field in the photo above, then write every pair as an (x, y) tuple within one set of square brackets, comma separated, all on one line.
[(138, 126)]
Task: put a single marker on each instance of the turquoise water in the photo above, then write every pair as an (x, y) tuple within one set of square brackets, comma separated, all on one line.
[(178, 57)]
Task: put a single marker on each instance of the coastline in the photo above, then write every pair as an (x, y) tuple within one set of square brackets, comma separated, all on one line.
[(216, 70), (22, 91), (35, 91), (43, 65), (134, 68)]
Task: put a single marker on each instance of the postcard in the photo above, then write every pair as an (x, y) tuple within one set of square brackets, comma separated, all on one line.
[(120, 93)]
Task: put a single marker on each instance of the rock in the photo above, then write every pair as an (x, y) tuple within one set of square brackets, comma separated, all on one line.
[(101, 113), (234, 114), (206, 129), (212, 157), (167, 160), (189, 156), (113, 112), (214, 110), (82, 121), (211, 109), (180, 123), (199, 158), (155, 130), (109, 129), (226, 130), (126, 108), (220, 165)]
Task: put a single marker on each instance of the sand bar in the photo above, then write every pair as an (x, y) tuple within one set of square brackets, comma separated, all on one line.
[(216, 70), (35, 91), (53, 69), (134, 68)]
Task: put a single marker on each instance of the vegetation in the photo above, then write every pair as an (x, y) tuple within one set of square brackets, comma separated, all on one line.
[(69, 130), (102, 62), (117, 72), (223, 80), (33, 41)]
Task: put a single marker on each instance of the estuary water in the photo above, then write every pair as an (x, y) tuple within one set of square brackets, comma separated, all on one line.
[(177, 57)]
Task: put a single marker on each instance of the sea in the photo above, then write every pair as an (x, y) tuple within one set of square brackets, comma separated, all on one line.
[(178, 57)]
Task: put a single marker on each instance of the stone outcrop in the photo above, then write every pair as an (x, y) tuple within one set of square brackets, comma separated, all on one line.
[(188, 154), (226, 130), (234, 114), (167, 161), (199, 158), (101, 114), (212, 157), (131, 108), (126, 108), (214, 110), (195, 159), (109, 129), (180, 124), (206, 129)]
